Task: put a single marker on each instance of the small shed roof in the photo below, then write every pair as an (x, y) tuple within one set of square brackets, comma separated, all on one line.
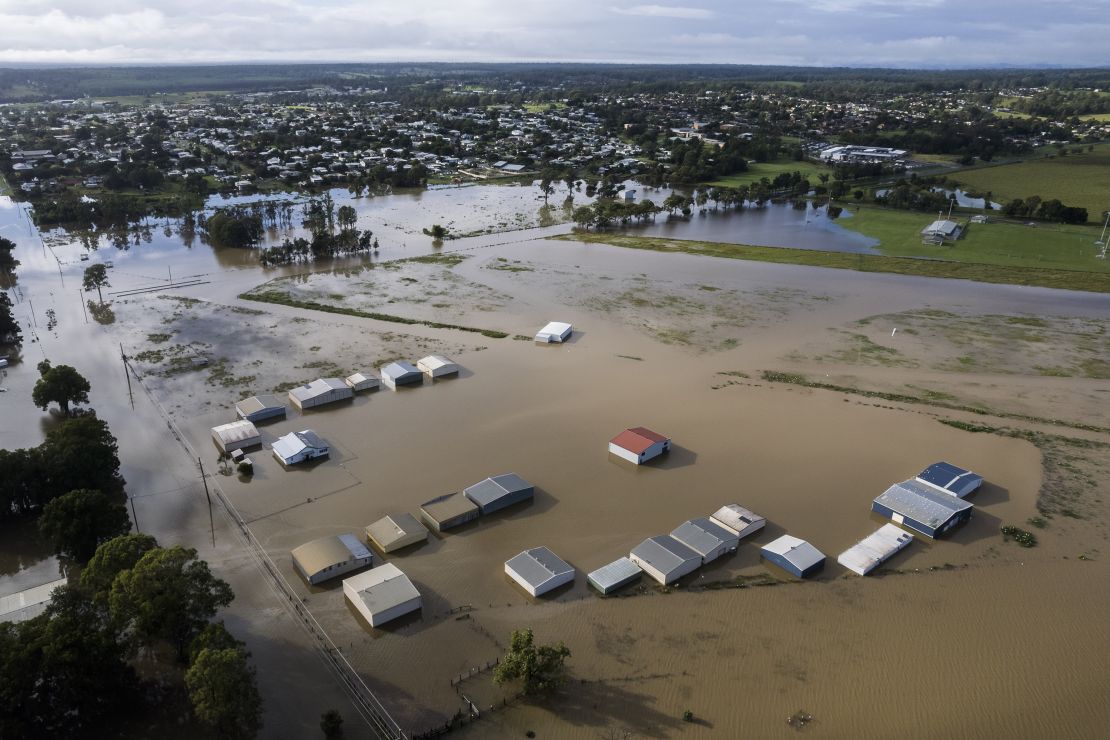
[(359, 378), (874, 549), (318, 387), (798, 552), (637, 439), (255, 404), (320, 553), (396, 530), (737, 518), (949, 477), (382, 588), (943, 227), (921, 502), (614, 575), (664, 553), (448, 506), (538, 566), (235, 432), (399, 369), (489, 490), (703, 536), (435, 362), (556, 327)]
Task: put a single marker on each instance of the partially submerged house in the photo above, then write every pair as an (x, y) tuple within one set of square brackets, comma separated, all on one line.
[(382, 594), (396, 531), (617, 574), (330, 557), (361, 382), (260, 408), (319, 392), (499, 492), (950, 479), (794, 555), (297, 447), (665, 559), (238, 435), (437, 366), (744, 522), (922, 508), (874, 549), (708, 539), (539, 570), (638, 445), (447, 511), (400, 373), (554, 332)]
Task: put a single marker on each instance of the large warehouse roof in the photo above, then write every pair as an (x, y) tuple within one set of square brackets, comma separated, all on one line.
[(921, 502), (318, 554)]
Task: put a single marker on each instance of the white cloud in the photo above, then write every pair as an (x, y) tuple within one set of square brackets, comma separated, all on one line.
[(667, 11)]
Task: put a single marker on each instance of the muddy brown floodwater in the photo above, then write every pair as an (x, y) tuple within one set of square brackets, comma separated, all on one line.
[(969, 636)]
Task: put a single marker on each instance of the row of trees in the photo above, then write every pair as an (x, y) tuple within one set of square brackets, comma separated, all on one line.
[(1045, 210)]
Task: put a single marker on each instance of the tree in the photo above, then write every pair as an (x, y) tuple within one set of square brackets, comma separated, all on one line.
[(96, 276), (436, 232), (224, 692), (214, 636), (539, 669), (7, 261), (169, 595), (112, 558), (347, 216), (10, 333), (79, 521), (62, 385), (62, 673), (331, 724)]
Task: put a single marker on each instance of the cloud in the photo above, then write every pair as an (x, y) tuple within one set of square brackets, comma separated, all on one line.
[(667, 11)]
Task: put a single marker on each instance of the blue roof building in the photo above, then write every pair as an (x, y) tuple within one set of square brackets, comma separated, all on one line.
[(951, 479), (922, 508)]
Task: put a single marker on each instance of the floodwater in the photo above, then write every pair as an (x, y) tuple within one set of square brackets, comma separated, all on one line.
[(1005, 642), (772, 225)]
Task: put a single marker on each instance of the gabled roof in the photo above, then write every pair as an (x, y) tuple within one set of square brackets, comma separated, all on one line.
[(798, 552), (538, 566), (318, 387), (664, 553), (637, 439), (320, 553), (921, 502), (947, 476)]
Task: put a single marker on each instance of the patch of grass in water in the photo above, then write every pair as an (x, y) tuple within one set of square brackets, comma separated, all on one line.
[(158, 338)]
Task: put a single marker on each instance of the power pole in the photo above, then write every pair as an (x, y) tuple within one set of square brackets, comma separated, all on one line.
[(134, 516), (127, 375), (81, 297), (211, 517)]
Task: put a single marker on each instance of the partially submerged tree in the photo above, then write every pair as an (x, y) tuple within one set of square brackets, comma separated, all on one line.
[(331, 724), (62, 385), (169, 595), (112, 558), (96, 277), (224, 693), (539, 669), (77, 522), (10, 333)]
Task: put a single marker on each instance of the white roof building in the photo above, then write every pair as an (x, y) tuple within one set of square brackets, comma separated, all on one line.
[(743, 522), (238, 435), (539, 570), (617, 574), (396, 531), (320, 392), (665, 559), (260, 408), (706, 538), (554, 332), (794, 555), (382, 594), (400, 373), (361, 382), (437, 366), (297, 447), (875, 549)]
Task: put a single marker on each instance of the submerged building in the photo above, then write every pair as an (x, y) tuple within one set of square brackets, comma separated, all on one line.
[(794, 555), (260, 408), (447, 511), (707, 539), (400, 373), (297, 447), (922, 508), (499, 492), (361, 382), (950, 479), (382, 594), (875, 549), (437, 366), (617, 574), (555, 332), (319, 392), (539, 570), (396, 531), (665, 559), (744, 522), (638, 445), (330, 557), (238, 435)]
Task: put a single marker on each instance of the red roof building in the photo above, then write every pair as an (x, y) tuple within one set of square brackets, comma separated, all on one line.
[(639, 444)]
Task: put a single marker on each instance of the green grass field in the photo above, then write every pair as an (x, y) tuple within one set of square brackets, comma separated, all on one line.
[(770, 170), (1077, 180), (1057, 246), (984, 273)]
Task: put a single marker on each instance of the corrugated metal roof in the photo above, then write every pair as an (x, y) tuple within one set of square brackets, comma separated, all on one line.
[(797, 552), (448, 506), (948, 476), (398, 370), (318, 387), (664, 553), (615, 574), (318, 554), (435, 362), (874, 549), (740, 520), (538, 566), (382, 588), (921, 502), (637, 439), (703, 536), (254, 404), (236, 431)]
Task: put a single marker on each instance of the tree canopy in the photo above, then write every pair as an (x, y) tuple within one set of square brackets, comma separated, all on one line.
[(112, 558), (168, 595), (224, 693), (79, 521), (10, 333), (62, 385), (540, 669), (95, 278)]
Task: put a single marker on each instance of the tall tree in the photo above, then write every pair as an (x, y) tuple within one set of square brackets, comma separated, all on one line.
[(7, 261), (539, 669), (79, 521), (347, 217), (112, 558), (96, 277), (62, 385), (224, 693), (169, 595), (10, 333)]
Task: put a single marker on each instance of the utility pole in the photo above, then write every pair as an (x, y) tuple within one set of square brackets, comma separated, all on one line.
[(134, 516), (81, 297), (127, 375), (211, 518), (33, 318)]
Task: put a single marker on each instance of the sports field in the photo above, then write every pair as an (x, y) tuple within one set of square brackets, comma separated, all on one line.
[(770, 170), (1076, 179)]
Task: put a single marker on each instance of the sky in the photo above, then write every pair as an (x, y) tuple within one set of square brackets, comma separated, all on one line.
[(902, 33)]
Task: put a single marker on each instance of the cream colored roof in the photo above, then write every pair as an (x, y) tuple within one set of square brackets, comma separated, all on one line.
[(314, 556), (236, 431)]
